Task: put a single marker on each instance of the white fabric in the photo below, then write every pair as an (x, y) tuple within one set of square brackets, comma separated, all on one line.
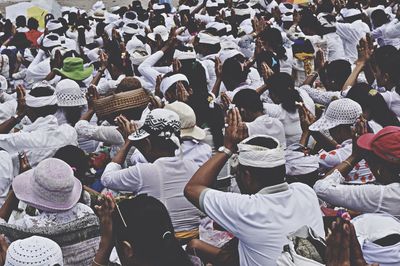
[(268, 126), (297, 163), (366, 198), (32, 101), (6, 175), (262, 221), (169, 81), (387, 34), (351, 33), (392, 99), (40, 140), (165, 180)]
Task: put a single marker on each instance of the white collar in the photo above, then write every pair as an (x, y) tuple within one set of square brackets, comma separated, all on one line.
[(42, 123), (274, 189)]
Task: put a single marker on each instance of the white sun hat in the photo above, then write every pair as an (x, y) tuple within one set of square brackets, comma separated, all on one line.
[(160, 30), (188, 120), (35, 250), (339, 112), (69, 94)]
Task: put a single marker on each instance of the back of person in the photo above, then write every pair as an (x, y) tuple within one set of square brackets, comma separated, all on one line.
[(264, 221), (166, 181)]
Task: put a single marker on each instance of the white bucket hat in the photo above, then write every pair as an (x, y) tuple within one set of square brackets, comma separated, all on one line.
[(188, 120), (160, 30), (35, 250), (69, 94), (339, 112)]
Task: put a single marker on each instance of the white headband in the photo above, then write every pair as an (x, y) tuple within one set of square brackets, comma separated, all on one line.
[(169, 81), (260, 157), (36, 102)]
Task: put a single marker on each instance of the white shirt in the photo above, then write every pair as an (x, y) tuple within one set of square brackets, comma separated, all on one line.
[(366, 198), (265, 125), (321, 96), (40, 140), (388, 34), (351, 34), (392, 99), (165, 180), (6, 175), (290, 121), (262, 221), (149, 71)]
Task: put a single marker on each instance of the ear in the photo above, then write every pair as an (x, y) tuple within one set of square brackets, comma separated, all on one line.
[(127, 251)]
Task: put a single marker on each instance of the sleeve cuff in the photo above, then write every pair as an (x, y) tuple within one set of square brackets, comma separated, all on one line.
[(201, 199)]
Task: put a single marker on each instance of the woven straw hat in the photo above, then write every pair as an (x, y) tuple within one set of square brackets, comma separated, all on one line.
[(35, 250), (340, 112), (121, 102), (69, 94)]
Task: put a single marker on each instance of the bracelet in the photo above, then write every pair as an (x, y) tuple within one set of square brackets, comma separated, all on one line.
[(98, 264), (348, 163)]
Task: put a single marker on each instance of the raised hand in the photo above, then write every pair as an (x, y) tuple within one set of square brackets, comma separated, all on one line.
[(266, 71), (125, 127), (306, 117), (21, 107), (218, 67), (236, 131), (92, 95), (182, 94), (23, 162)]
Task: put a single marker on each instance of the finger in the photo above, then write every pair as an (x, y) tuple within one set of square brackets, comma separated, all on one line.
[(239, 117)]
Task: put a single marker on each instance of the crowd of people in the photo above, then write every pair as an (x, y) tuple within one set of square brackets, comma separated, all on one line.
[(215, 132)]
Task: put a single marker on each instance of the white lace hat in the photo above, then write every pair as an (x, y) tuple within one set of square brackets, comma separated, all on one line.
[(69, 94), (339, 112), (35, 250)]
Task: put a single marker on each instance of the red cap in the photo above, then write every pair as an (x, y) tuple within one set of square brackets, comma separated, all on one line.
[(385, 143)]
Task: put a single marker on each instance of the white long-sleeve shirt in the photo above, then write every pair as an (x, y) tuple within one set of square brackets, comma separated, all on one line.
[(149, 72), (351, 34), (165, 180), (362, 198)]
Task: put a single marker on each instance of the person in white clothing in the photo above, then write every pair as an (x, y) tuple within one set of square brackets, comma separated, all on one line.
[(166, 174), (268, 208)]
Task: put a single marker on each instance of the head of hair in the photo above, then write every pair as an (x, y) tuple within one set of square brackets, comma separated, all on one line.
[(20, 21), (373, 104), (149, 231), (33, 24), (128, 84), (387, 60), (270, 59), (325, 6), (232, 73), (338, 71), (265, 176), (273, 38), (379, 18), (72, 114), (249, 100), (72, 18), (45, 110), (282, 90), (74, 157)]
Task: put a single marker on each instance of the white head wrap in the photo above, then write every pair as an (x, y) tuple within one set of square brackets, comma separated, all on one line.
[(36, 102), (169, 81), (260, 157)]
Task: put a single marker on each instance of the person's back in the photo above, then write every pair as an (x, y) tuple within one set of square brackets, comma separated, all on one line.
[(262, 221), (165, 180)]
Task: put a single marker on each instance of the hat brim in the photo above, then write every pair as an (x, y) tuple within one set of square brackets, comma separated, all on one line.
[(75, 75), (365, 141), (79, 102), (322, 124), (194, 132), (26, 180), (138, 135)]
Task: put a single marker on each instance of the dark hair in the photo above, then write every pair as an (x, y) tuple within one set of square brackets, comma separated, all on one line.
[(373, 103), (149, 230), (45, 110), (281, 85), (266, 176), (387, 59), (379, 18), (74, 157), (338, 71), (325, 6), (232, 73), (249, 100), (33, 24), (270, 59), (20, 41), (310, 21), (72, 114), (20, 21), (274, 39)]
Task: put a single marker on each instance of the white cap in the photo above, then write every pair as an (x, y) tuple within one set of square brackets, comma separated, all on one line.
[(114, 9), (211, 3), (183, 8), (98, 5), (216, 25), (286, 10), (35, 250), (69, 94), (182, 55), (339, 112), (188, 120), (226, 54), (167, 82), (160, 30), (131, 28), (51, 40), (207, 38), (53, 25), (158, 7), (130, 17), (349, 12)]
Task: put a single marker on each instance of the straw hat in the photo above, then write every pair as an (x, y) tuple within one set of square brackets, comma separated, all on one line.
[(121, 102), (73, 69), (69, 94), (51, 186), (35, 250)]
